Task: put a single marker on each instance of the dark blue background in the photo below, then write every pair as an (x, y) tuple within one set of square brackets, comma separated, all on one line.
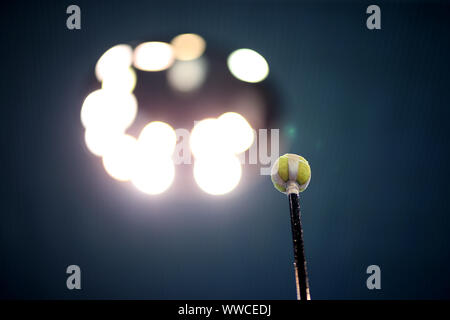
[(370, 111)]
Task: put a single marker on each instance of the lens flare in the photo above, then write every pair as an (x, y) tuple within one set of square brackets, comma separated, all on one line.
[(118, 160), (115, 59), (121, 80), (248, 65), (238, 132), (158, 138), (153, 56), (109, 110), (217, 175), (188, 46), (185, 76)]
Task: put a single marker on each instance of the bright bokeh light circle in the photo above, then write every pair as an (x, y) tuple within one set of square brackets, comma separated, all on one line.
[(188, 46), (153, 175), (239, 134), (109, 110), (248, 65), (185, 76), (229, 134), (205, 138), (100, 141), (118, 160), (153, 56), (218, 175), (92, 110), (158, 138), (120, 80), (115, 59)]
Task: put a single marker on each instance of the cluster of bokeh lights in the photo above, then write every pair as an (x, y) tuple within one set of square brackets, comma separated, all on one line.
[(147, 161), (216, 144)]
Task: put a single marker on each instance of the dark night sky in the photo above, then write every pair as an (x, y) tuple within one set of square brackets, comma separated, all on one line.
[(370, 111)]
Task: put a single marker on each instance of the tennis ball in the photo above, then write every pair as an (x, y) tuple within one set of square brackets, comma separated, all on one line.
[(291, 169)]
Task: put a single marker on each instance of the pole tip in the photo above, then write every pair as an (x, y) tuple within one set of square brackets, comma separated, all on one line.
[(291, 173)]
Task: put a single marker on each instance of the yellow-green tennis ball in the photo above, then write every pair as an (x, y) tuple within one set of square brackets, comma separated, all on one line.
[(291, 169)]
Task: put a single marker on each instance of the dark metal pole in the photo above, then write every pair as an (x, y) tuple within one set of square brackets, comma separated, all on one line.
[(301, 275)]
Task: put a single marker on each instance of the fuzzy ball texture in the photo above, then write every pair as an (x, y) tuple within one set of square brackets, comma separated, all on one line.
[(291, 168)]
